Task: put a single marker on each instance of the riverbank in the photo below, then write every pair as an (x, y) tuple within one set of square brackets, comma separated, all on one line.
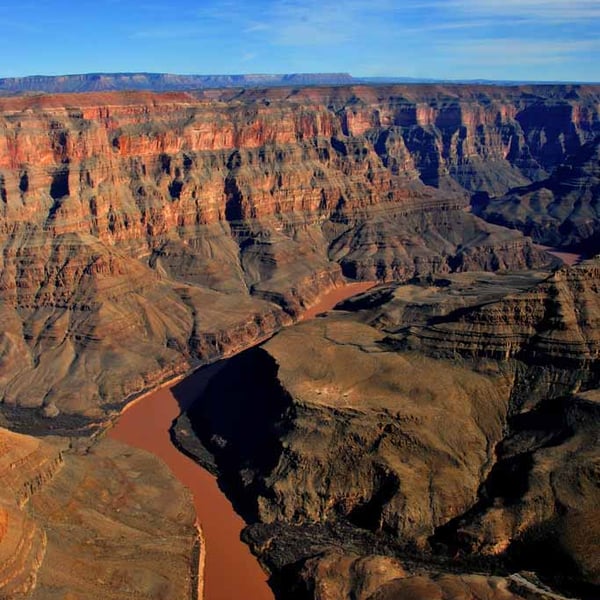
[(229, 565), (227, 568), (335, 296), (569, 258)]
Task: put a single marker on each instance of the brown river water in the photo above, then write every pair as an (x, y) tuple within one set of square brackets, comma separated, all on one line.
[(569, 258), (231, 571)]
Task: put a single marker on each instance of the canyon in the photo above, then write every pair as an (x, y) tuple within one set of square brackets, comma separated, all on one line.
[(420, 438), (144, 235)]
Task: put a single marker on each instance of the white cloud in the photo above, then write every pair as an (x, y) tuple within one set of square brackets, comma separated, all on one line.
[(447, 26), (326, 22), (558, 11), (515, 51), (323, 22), (168, 32), (256, 26)]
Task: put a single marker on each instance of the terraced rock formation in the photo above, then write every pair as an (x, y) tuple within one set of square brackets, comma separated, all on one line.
[(448, 429), (145, 233), (109, 522), (553, 329), (562, 210), (26, 465)]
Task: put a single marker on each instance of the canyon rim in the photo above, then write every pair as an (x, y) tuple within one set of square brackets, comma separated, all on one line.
[(434, 437)]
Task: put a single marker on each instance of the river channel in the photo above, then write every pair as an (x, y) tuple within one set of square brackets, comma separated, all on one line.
[(231, 572)]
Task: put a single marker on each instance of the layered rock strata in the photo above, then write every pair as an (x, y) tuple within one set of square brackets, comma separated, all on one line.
[(143, 234), (553, 329), (562, 210), (26, 464), (444, 426), (93, 525)]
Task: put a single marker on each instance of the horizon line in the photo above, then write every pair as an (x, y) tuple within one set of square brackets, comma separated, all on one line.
[(358, 78)]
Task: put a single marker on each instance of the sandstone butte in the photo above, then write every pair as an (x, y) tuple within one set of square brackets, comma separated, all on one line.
[(145, 234)]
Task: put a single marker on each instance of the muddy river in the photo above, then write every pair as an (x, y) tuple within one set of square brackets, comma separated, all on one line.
[(231, 571), (569, 258)]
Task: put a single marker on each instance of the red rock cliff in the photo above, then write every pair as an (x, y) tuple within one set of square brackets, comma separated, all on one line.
[(141, 232)]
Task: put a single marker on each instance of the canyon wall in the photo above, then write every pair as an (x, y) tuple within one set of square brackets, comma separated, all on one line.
[(145, 233), (102, 522), (562, 210), (448, 426), (553, 328)]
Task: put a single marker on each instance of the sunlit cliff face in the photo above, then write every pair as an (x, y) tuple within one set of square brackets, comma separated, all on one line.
[(142, 233)]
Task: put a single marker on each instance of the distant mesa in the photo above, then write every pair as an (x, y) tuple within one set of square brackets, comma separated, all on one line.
[(168, 82), (159, 82)]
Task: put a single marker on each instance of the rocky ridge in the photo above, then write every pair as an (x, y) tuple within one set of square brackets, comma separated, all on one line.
[(355, 453), (552, 328), (158, 82), (143, 234)]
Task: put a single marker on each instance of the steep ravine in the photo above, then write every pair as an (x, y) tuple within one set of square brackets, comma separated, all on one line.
[(228, 570), (102, 519)]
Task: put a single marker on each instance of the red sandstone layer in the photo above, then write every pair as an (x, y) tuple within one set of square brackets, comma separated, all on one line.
[(142, 233)]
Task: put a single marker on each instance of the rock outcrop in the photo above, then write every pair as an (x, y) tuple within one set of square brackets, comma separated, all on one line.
[(143, 234), (336, 576), (353, 406), (451, 424), (26, 464), (109, 522), (539, 504), (552, 330)]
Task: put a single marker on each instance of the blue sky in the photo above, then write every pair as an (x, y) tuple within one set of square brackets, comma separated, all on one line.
[(450, 39)]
